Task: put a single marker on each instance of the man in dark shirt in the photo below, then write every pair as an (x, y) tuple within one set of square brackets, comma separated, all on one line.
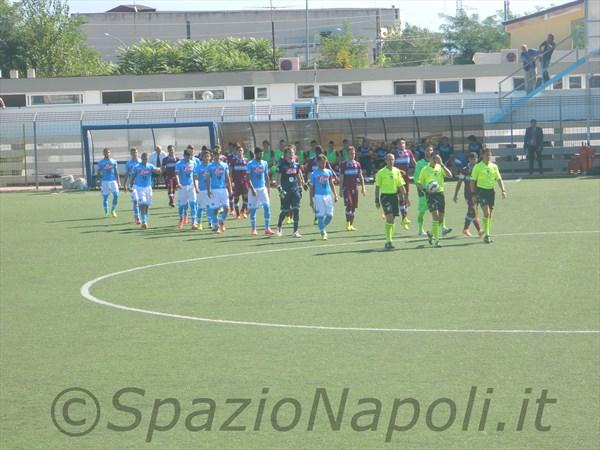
[(168, 170), (545, 52), (534, 144), (289, 181)]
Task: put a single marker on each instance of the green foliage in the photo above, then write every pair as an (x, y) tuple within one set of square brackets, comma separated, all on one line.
[(344, 51), (413, 46), (40, 34), (466, 34), (215, 55)]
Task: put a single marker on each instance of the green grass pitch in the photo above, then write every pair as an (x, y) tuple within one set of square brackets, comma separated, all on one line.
[(541, 273)]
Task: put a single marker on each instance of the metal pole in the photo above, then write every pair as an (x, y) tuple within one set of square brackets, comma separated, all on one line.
[(306, 26), (25, 153), (273, 37), (512, 140), (35, 154), (188, 29)]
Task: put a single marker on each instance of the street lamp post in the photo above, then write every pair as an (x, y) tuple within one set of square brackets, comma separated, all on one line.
[(115, 38)]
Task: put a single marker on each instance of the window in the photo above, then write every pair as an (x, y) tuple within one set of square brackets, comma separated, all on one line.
[(519, 84), (328, 90), (405, 87), (351, 89), (262, 92), (594, 81), (429, 87), (448, 87), (56, 99), (558, 84), (217, 94), (249, 93), (14, 100), (325, 33), (305, 91), (469, 84), (156, 96), (173, 96), (575, 82), (116, 97)]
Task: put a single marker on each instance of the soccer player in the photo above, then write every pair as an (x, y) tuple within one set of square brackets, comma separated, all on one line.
[(129, 170), (484, 175), (142, 185), (168, 169), (421, 163), (108, 175), (432, 176), (404, 160), (365, 157), (239, 174), (465, 177), (259, 182), (389, 190), (185, 180), (321, 188), (219, 190), (289, 182), (311, 165), (201, 174), (350, 175)]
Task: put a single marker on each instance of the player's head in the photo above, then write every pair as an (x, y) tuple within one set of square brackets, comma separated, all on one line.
[(533, 122), (351, 153), (171, 150), (134, 153), (206, 156), (106, 152), (313, 144), (473, 158), (158, 149), (524, 47), (402, 143), (188, 154), (389, 160), (472, 138), (445, 140), (428, 152), (266, 144), (258, 152), (550, 38), (281, 143), (290, 152), (486, 154), (435, 160), (318, 150), (144, 158), (321, 161), (331, 145), (345, 143), (239, 152)]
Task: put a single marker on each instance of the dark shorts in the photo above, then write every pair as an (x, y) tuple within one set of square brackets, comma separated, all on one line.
[(436, 202), (487, 197), (390, 204), (291, 200), (351, 198), (240, 190)]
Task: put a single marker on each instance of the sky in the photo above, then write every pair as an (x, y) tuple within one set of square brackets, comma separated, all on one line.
[(423, 13)]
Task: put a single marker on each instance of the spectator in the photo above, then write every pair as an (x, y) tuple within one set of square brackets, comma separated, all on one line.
[(445, 150), (365, 157), (527, 58), (545, 52), (474, 145), (156, 160), (420, 149), (534, 144)]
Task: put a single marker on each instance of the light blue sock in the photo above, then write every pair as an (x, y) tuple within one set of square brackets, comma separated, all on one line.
[(198, 214), (193, 211), (215, 219), (144, 217), (185, 208), (105, 203), (136, 210), (328, 220), (115, 201), (321, 221), (267, 213), (253, 218), (181, 212), (223, 216)]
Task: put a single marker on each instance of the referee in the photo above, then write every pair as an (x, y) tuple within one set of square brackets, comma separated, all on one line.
[(389, 190)]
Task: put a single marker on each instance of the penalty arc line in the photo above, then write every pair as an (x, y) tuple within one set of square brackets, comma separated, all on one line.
[(86, 294)]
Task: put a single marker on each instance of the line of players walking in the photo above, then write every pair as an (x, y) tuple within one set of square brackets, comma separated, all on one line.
[(214, 184)]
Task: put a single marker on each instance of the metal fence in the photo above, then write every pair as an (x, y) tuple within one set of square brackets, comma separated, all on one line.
[(46, 142)]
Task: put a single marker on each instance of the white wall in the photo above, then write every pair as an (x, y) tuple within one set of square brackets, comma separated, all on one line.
[(378, 87)]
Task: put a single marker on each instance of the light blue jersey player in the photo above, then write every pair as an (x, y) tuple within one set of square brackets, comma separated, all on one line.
[(218, 192), (201, 174), (142, 185), (186, 185), (109, 181), (129, 170), (321, 190), (258, 195)]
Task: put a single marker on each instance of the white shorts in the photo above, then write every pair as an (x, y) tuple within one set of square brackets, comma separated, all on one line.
[(323, 205), (133, 194), (219, 198), (203, 200), (259, 200), (186, 194), (108, 187), (144, 195)]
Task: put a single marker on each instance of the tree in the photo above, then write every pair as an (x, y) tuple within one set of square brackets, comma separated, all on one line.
[(11, 42), (413, 46), (149, 57), (464, 35), (344, 51)]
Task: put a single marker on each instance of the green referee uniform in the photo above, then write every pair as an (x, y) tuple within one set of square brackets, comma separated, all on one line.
[(435, 200), (485, 177), (389, 182), (422, 163)]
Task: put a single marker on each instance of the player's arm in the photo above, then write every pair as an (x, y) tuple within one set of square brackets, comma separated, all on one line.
[(420, 182), (267, 181), (362, 182), (195, 182), (447, 172), (228, 181), (208, 188), (332, 185), (312, 194), (251, 186), (126, 182), (413, 161), (341, 182), (377, 204), (117, 177), (177, 184), (501, 184)]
